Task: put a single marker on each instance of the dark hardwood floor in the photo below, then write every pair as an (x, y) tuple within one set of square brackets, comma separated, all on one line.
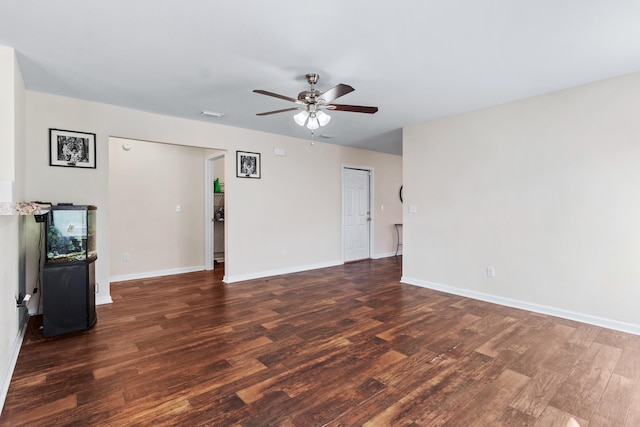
[(340, 346)]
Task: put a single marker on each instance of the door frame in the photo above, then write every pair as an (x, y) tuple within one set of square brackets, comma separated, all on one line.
[(209, 229), (371, 205)]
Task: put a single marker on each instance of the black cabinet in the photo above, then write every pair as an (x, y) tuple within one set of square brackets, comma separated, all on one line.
[(69, 283), (69, 302)]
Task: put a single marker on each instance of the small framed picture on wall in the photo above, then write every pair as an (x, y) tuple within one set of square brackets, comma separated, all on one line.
[(72, 149), (247, 164)]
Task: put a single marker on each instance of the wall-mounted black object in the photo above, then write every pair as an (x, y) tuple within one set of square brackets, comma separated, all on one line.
[(69, 302), (41, 217)]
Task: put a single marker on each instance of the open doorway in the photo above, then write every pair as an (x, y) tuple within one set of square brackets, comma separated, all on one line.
[(215, 233), (157, 209)]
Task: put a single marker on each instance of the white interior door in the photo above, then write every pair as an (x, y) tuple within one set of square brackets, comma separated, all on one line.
[(357, 213)]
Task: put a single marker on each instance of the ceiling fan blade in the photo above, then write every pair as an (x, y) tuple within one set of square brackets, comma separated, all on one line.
[(275, 95), (277, 111), (336, 92), (352, 108)]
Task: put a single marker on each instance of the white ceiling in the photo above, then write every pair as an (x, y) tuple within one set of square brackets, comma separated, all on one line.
[(415, 59)]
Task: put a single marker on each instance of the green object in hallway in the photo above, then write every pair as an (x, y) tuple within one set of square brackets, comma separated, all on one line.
[(216, 186)]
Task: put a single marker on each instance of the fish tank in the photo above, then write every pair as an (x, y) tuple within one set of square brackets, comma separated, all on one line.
[(71, 234)]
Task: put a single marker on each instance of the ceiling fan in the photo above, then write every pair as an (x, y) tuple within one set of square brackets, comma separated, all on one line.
[(312, 103)]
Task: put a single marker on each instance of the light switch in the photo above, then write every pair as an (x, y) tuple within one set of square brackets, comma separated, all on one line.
[(178, 208), (491, 272), (413, 208)]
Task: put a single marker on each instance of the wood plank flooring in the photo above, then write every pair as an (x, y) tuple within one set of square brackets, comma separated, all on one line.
[(341, 346)]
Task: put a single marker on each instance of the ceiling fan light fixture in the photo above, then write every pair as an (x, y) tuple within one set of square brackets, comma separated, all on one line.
[(323, 118), (313, 122), (301, 118)]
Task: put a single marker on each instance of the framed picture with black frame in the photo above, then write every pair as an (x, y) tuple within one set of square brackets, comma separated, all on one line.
[(72, 149), (247, 164)]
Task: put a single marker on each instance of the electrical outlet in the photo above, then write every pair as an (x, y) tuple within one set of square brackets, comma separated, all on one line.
[(126, 257), (491, 272)]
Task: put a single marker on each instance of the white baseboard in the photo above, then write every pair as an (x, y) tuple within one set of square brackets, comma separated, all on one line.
[(6, 379), (104, 300), (385, 255), (157, 273), (269, 273), (523, 305)]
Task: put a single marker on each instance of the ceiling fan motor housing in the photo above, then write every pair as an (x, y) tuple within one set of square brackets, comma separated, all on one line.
[(311, 96)]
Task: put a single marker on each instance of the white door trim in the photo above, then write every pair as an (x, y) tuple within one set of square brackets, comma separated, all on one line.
[(371, 205)]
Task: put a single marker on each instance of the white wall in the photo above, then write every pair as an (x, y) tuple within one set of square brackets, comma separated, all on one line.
[(7, 113), (146, 184), (9, 329), (12, 118), (545, 190), (289, 219)]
